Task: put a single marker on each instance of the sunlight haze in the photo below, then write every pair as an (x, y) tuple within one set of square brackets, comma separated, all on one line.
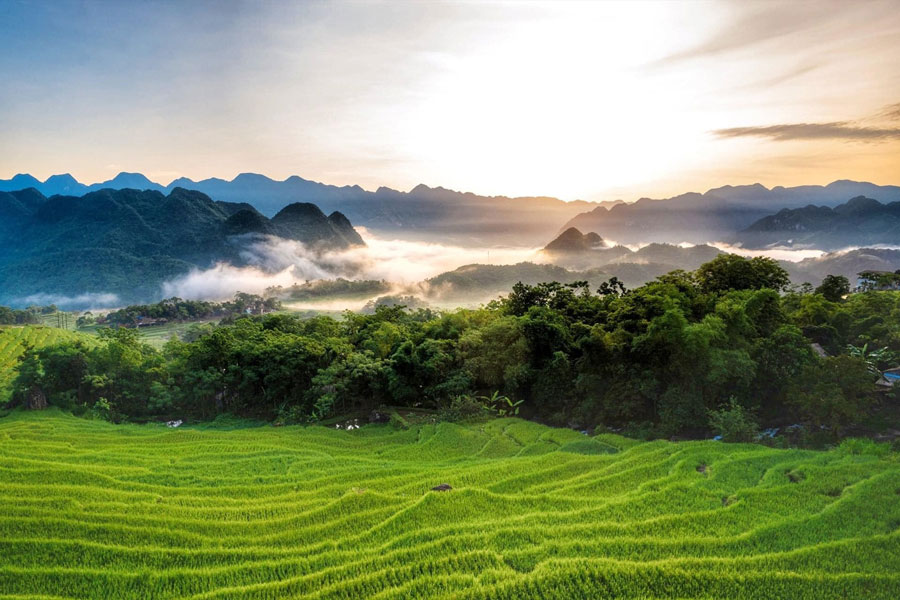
[(584, 100)]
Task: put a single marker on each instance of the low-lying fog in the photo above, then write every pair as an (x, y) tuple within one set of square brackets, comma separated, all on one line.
[(279, 262), (405, 264)]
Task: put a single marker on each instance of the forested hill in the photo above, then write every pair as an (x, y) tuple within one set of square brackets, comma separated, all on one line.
[(718, 214), (127, 241), (860, 221), (424, 213)]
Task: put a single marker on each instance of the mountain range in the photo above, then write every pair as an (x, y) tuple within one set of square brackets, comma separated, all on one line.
[(575, 250), (127, 242), (423, 213), (435, 213), (716, 215), (861, 221)]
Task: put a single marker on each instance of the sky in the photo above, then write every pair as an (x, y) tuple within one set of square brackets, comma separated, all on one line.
[(575, 100)]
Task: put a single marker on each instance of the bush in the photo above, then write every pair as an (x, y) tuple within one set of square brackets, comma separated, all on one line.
[(102, 410), (734, 423), (463, 408), (398, 422), (864, 447)]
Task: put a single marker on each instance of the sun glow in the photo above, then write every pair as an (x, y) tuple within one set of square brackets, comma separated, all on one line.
[(554, 106)]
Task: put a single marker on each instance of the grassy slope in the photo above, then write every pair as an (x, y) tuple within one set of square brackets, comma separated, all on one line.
[(92, 510), (14, 340)]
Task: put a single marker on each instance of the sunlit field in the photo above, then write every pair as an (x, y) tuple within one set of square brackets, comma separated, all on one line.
[(94, 510)]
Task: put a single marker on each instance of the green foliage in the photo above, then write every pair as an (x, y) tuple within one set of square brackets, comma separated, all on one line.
[(15, 342), (834, 287), (503, 406), (655, 359), (833, 392), (176, 309), (871, 357), (397, 421), (11, 316), (463, 408), (732, 272), (864, 447), (734, 423), (100, 511)]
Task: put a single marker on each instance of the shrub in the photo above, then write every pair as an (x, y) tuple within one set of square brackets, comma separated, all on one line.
[(463, 408), (398, 422), (864, 447), (734, 423)]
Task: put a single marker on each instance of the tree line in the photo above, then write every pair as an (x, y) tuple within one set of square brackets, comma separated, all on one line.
[(727, 343), (27, 316), (177, 309)]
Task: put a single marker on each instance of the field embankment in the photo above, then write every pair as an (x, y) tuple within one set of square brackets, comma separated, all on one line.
[(93, 510)]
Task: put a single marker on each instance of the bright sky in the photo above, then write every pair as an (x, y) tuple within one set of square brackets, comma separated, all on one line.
[(581, 100)]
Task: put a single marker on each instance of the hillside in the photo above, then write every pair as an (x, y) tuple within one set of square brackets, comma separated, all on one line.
[(572, 240), (574, 250), (94, 510), (127, 242), (423, 213), (473, 284), (479, 283), (848, 264), (429, 213), (859, 222), (716, 215)]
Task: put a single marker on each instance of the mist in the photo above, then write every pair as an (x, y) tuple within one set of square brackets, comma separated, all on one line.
[(79, 302), (275, 261)]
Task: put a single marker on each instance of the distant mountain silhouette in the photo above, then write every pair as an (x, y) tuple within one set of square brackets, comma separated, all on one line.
[(426, 213), (716, 215), (477, 283), (128, 241), (422, 213), (848, 264), (572, 240), (304, 221), (861, 221)]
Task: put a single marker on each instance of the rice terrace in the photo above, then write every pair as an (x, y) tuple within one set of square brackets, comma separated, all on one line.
[(95, 510), (506, 299)]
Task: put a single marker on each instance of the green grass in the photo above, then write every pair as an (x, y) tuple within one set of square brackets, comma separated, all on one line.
[(93, 510), (13, 341), (60, 319)]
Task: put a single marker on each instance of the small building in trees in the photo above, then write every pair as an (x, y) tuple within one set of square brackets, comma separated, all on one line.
[(892, 375)]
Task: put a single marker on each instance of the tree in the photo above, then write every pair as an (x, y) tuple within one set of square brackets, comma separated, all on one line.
[(734, 423), (833, 392), (834, 287), (732, 272), (872, 358)]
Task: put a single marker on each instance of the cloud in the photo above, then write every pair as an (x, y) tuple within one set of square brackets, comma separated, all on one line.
[(839, 130), (748, 28), (81, 301), (891, 112), (279, 262)]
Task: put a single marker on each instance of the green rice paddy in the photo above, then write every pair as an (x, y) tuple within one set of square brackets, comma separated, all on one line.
[(94, 510)]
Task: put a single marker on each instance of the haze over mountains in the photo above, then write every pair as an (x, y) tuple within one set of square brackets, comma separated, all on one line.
[(716, 215), (128, 242), (426, 213), (131, 242), (423, 213), (859, 222)]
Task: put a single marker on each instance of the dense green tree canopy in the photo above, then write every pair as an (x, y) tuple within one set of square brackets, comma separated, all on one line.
[(667, 355)]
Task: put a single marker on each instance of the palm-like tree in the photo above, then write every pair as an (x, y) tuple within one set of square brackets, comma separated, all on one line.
[(871, 357)]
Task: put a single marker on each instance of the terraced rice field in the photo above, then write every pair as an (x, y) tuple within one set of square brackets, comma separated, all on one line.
[(93, 510), (14, 340)]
